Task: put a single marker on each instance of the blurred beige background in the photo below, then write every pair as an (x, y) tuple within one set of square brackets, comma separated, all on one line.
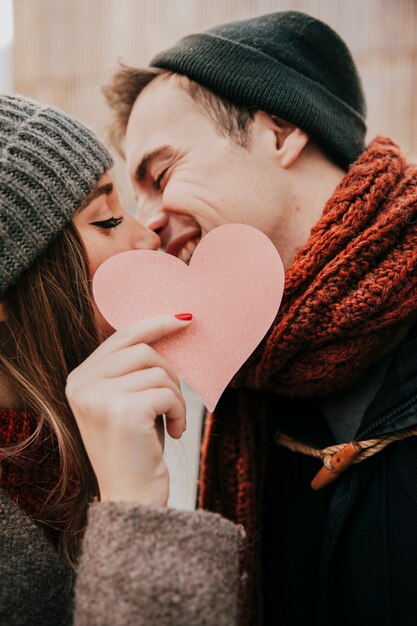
[(65, 50)]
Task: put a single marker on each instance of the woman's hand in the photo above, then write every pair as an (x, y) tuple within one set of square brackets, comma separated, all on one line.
[(116, 396)]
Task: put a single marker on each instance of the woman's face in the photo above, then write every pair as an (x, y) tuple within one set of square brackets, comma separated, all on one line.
[(107, 229)]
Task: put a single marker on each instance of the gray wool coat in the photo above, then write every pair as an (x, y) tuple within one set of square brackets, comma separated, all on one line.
[(138, 566)]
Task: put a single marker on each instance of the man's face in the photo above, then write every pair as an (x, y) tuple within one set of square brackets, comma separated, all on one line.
[(188, 178)]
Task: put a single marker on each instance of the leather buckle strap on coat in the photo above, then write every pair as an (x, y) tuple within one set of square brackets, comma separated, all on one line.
[(338, 458)]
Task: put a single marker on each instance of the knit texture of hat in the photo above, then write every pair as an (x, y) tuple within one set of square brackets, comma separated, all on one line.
[(49, 164), (287, 64)]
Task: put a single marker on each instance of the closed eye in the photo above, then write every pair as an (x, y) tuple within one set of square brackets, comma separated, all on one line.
[(112, 222), (157, 182)]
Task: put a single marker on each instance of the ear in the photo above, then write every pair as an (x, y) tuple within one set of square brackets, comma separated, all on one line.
[(289, 140)]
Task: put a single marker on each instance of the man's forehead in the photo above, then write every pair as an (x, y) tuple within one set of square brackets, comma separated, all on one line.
[(163, 105), (152, 123), (159, 97), (162, 115)]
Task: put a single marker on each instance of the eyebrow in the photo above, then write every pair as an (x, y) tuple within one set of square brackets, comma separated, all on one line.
[(102, 190), (142, 169)]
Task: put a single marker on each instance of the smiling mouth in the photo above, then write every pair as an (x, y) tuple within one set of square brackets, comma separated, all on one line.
[(187, 251), (183, 247)]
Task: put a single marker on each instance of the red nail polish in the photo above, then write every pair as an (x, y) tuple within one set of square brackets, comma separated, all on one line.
[(184, 317)]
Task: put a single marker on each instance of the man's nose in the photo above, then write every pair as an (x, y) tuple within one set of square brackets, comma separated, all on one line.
[(149, 212), (155, 221), (146, 239)]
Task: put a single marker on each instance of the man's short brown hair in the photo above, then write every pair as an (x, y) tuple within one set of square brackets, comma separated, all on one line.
[(230, 120)]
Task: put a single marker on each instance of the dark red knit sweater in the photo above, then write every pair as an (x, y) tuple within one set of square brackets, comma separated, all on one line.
[(31, 475)]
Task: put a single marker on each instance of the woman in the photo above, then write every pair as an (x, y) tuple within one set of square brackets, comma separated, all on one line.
[(85, 535)]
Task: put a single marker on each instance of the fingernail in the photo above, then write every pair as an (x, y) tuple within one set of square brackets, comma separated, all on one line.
[(184, 317)]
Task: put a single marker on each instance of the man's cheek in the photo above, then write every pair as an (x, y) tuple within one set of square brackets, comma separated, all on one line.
[(174, 197)]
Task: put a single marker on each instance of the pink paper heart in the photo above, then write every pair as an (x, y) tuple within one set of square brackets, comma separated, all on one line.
[(233, 287)]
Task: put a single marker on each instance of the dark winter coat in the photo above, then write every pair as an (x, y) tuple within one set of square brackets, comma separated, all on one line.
[(345, 555)]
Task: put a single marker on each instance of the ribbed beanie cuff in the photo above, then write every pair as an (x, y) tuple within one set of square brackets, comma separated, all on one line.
[(287, 64), (49, 164)]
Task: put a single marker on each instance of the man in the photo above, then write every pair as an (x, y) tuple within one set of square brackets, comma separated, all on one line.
[(263, 122)]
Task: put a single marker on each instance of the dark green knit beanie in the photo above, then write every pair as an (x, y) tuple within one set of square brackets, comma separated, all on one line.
[(49, 164), (288, 64)]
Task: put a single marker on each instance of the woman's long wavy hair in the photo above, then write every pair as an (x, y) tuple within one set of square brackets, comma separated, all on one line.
[(52, 326)]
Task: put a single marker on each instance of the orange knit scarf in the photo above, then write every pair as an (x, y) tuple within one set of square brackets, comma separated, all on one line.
[(349, 287)]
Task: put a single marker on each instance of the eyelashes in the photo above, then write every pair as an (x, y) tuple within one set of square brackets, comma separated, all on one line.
[(157, 182), (112, 222)]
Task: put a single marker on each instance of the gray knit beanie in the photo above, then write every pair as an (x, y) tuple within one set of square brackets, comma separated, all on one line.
[(288, 64), (49, 164)]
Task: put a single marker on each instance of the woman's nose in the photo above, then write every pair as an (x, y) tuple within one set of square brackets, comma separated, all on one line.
[(155, 241)]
